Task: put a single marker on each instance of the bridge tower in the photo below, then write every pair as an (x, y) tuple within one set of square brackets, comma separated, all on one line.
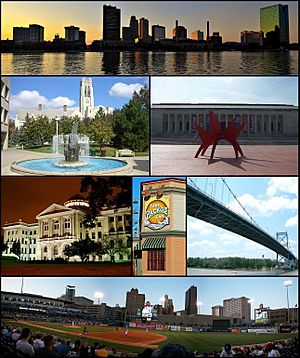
[(283, 262)]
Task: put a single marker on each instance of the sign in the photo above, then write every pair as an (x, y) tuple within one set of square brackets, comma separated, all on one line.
[(262, 315), (157, 213)]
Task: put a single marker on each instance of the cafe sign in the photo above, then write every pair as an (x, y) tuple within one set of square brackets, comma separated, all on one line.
[(157, 213)]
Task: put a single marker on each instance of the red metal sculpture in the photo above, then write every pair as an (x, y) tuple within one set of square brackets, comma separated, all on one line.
[(216, 133)]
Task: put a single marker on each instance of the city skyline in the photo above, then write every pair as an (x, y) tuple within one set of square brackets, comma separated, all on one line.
[(210, 291), (54, 92), (88, 16), (272, 203), (272, 90)]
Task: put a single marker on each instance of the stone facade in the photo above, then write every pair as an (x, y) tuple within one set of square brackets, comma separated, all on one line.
[(173, 122), (5, 96)]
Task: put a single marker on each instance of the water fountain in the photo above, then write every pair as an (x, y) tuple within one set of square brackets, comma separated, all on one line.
[(70, 156)]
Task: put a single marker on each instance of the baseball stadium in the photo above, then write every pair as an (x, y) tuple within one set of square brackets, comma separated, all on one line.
[(79, 328)]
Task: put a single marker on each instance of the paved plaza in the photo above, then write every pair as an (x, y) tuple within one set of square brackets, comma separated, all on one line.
[(258, 160), (140, 165)]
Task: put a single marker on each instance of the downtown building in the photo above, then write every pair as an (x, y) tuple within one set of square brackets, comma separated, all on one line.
[(87, 108), (276, 17), (135, 302), (265, 123), (60, 225), (191, 300), (111, 23), (5, 97), (34, 33), (238, 308)]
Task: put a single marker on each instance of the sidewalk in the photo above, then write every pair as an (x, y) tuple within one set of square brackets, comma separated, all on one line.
[(258, 160)]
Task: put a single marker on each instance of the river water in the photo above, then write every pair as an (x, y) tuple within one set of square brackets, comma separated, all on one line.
[(215, 272), (152, 63)]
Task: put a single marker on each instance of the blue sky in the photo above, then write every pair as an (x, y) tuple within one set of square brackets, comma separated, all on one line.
[(211, 291), (54, 92), (283, 90), (272, 203)]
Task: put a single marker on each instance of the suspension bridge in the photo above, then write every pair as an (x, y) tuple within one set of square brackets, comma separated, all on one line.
[(202, 204)]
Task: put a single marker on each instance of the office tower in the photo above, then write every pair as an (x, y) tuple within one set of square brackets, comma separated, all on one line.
[(238, 308), (33, 33), (179, 32), (82, 36), (111, 23), (252, 37), (126, 33), (134, 28), (71, 33), (191, 300), (143, 28), (168, 305), (87, 107), (207, 31), (158, 32), (135, 302), (273, 18)]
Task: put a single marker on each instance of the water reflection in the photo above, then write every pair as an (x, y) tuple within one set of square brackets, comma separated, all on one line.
[(151, 63), (111, 62)]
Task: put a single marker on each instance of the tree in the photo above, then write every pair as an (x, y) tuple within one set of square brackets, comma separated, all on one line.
[(143, 97), (111, 192), (131, 126), (114, 244), (4, 246), (100, 129), (82, 247), (16, 248)]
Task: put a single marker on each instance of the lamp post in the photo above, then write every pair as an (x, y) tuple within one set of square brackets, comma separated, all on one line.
[(199, 304), (287, 284)]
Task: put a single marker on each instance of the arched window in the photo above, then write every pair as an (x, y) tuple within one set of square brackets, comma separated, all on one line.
[(45, 249), (112, 244)]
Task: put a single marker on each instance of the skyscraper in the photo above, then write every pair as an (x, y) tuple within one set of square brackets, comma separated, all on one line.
[(238, 308), (273, 17), (143, 28), (134, 28), (111, 23), (87, 107), (135, 302), (191, 300)]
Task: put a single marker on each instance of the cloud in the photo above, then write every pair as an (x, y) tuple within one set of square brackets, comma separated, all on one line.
[(263, 207), (293, 221), (31, 99), (199, 228), (123, 90), (282, 185)]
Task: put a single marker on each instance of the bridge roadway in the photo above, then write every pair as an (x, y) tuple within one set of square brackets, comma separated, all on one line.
[(203, 207)]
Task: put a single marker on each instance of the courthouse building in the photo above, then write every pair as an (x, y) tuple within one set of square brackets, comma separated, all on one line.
[(60, 225), (163, 232), (266, 123)]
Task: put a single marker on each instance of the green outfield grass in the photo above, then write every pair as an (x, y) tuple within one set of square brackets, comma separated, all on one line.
[(202, 342)]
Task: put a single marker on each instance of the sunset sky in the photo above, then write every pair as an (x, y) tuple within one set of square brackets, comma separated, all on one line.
[(227, 17)]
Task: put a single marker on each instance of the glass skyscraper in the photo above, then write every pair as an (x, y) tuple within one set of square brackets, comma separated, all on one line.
[(276, 15)]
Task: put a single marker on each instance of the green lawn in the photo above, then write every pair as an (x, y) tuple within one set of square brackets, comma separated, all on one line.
[(202, 342)]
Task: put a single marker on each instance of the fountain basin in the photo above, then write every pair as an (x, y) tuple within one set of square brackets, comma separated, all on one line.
[(94, 166), (64, 164)]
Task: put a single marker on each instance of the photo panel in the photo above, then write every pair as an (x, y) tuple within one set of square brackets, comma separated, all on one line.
[(239, 226), (59, 226), (76, 126), (127, 317)]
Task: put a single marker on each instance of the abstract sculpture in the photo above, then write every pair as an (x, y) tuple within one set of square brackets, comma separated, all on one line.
[(216, 133)]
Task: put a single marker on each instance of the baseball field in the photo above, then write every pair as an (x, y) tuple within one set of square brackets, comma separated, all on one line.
[(137, 339)]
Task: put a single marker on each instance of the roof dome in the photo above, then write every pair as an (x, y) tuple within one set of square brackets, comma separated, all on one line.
[(76, 201)]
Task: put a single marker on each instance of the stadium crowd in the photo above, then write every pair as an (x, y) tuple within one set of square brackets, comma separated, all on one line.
[(23, 343)]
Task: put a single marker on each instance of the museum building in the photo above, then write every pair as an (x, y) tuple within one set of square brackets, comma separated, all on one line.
[(60, 225), (265, 123)]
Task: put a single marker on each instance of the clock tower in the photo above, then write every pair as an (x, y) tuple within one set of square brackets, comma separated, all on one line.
[(87, 108)]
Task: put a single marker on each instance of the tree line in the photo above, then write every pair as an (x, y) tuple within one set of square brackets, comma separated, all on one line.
[(127, 127), (231, 263)]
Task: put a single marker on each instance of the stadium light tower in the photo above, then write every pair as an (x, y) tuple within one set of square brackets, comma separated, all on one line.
[(99, 295), (287, 284), (199, 304)]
